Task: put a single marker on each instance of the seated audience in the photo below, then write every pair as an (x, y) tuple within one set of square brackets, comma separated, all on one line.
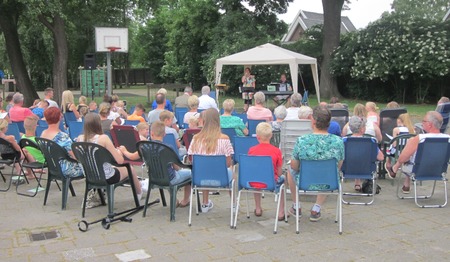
[(193, 108), (167, 104), (392, 105), (9, 101), (182, 101), (371, 128), (18, 113), (8, 153), (68, 104), (32, 154), (177, 174), (229, 121), (443, 100), (320, 145), (431, 123), (82, 106), (48, 95), (167, 118), (154, 114), (205, 101), (296, 103), (258, 111), (264, 148), (143, 130), (280, 114), (106, 123), (93, 107), (372, 114), (138, 113), (211, 141), (39, 111), (53, 117)]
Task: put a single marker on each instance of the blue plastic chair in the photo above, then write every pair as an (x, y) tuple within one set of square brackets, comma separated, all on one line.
[(230, 132), (179, 115), (243, 117), (69, 116), (430, 164), (75, 129), (131, 111), (360, 163), (20, 126), (213, 94), (256, 176), (320, 177), (131, 122), (252, 126), (209, 172), (13, 129), (39, 130), (241, 146), (169, 139)]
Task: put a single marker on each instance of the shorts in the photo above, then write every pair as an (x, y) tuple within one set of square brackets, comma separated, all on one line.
[(279, 182), (115, 178)]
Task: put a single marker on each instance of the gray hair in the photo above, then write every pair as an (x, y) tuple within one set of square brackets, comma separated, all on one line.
[(17, 98), (206, 90), (228, 105), (188, 89), (280, 112), (435, 119), (356, 123), (305, 112), (259, 97), (296, 99)]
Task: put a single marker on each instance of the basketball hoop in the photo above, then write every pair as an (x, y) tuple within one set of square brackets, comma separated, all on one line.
[(112, 49)]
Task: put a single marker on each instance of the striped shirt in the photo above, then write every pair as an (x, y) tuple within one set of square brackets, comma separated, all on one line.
[(223, 148)]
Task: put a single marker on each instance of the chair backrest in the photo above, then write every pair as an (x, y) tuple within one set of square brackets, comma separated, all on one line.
[(432, 158), (290, 131), (13, 129), (126, 136), (318, 175), (131, 111), (92, 157), (252, 126), (6, 147), (213, 95), (241, 146), (169, 139), (53, 153), (243, 117), (28, 144), (188, 135), (360, 156), (75, 129), (230, 132), (131, 122), (400, 142), (210, 171), (340, 116), (179, 115), (39, 130), (42, 123), (388, 121), (444, 110), (275, 140), (157, 156), (69, 116), (256, 169), (20, 126)]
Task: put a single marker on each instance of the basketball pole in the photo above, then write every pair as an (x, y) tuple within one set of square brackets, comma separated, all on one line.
[(108, 68)]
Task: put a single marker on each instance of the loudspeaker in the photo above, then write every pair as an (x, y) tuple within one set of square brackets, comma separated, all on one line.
[(89, 61)]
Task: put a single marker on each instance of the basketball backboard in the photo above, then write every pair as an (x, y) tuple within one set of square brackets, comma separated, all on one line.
[(111, 37)]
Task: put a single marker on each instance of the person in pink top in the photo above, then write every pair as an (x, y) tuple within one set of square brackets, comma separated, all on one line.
[(258, 111), (18, 113)]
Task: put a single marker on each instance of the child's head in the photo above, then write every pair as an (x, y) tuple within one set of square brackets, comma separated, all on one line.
[(392, 105), (36, 102), (371, 107), (139, 110), (3, 125), (30, 122), (280, 112), (120, 104), (82, 100), (193, 121), (405, 120), (43, 104), (166, 117), (93, 105), (158, 130), (263, 132), (143, 129)]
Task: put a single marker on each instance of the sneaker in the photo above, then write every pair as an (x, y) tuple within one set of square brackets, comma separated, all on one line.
[(93, 199), (405, 189), (144, 185), (389, 171), (207, 207), (292, 211), (315, 216)]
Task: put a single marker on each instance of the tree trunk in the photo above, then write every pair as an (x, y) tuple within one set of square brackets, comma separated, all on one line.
[(9, 16), (331, 36), (61, 54)]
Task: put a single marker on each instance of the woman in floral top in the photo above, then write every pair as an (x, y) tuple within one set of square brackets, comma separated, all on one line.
[(229, 121)]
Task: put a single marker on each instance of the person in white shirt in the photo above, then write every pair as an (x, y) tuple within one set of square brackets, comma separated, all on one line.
[(48, 93), (296, 103), (205, 101)]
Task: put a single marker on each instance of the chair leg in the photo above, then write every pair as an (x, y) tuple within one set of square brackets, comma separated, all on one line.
[(238, 201), (163, 198), (296, 210), (190, 207), (47, 188), (416, 197), (110, 194), (72, 190), (148, 197), (173, 202), (65, 192), (83, 210)]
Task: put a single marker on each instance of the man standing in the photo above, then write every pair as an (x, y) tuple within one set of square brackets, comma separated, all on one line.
[(205, 101), (182, 101), (48, 93)]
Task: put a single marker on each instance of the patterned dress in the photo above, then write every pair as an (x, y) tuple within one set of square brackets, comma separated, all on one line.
[(69, 169), (233, 122)]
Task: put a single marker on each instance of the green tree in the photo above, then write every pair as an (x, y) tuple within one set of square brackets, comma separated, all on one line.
[(427, 9)]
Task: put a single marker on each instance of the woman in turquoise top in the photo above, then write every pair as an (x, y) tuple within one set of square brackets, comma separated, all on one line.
[(229, 121)]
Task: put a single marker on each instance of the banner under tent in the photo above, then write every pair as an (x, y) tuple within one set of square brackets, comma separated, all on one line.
[(269, 54)]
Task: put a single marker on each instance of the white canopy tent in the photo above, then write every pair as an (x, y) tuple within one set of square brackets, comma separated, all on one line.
[(269, 54)]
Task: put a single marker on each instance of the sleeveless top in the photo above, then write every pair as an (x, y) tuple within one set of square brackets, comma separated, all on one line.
[(107, 167)]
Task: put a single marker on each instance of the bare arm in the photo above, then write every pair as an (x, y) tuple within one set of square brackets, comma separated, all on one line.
[(295, 164), (132, 156), (75, 111), (408, 151), (377, 133), (106, 142)]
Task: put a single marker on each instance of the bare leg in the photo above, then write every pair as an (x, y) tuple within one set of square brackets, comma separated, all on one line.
[(124, 174), (258, 209), (205, 197), (320, 200)]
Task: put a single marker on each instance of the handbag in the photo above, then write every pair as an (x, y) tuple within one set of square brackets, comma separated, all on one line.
[(367, 187)]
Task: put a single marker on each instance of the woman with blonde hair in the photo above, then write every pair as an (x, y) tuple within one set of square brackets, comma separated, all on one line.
[(104, 110), (193, 103), (229, 121), (68, 104), (211, 141), (168, 105), (372, 114), (371, 128)]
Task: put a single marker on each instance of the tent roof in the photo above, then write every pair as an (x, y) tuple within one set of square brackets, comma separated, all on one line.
[(266, 54)]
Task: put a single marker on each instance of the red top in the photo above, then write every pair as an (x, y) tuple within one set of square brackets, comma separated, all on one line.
[(267, 149), (18, 113)]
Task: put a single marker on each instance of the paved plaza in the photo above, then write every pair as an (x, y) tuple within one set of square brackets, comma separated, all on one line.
[(390, 230)]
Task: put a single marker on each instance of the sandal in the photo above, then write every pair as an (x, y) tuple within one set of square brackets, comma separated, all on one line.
[(282, 218), (358, 188), (179, 204), (389, 171), (258, 214)]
